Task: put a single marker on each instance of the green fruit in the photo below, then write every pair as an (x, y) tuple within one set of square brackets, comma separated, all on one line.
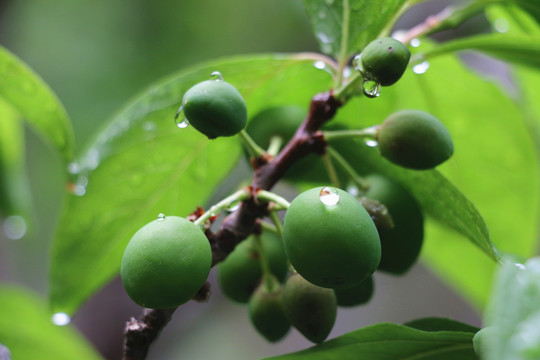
[(385, 60), (215, 108), (401, 244), (266, 310), (165, 263), (335, 246), (357, 295), (482, 340), (414, 139), (240, 273), (311, 309)]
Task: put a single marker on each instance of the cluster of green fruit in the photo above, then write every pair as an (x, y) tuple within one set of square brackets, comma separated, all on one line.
[(331, 241)]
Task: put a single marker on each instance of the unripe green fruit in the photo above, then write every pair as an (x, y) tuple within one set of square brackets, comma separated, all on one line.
[(240, 273), (481, 340), (266, 310), (215, 108), (335, 246), (165, 263), (357, 295), (401, 244), (415, 139), (311, 309), (385, 60)]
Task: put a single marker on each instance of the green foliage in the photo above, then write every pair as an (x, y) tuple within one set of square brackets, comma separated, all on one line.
[(26, 329), (391, 342)]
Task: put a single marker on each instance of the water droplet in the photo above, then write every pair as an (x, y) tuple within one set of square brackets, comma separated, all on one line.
[(357, 63), (79, 190), (421, 67), (501, 25), (415, 42), (371, 143), (520, 266), (353, 190), (216, 75), (181, 122), (371, 88), (329, 196), (161, 216), (15, 227), (73, 168), (61, 319), (233, 206), (319, 64)]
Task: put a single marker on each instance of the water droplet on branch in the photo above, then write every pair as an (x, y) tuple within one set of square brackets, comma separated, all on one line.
[(329, 196)]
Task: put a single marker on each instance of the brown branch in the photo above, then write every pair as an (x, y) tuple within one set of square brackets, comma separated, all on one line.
[(139, 334)]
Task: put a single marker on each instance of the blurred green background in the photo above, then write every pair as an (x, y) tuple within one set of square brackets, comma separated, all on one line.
[(96, 55)]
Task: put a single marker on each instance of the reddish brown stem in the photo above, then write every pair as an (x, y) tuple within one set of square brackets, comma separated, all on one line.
[(139, 334)]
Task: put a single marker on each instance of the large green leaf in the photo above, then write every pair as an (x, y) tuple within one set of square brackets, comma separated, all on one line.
[(27, 331), (391, 342), (494, 165), (142, 165), (33, 99), (440, 324), (513, 314), (344, 27), (524, 50)]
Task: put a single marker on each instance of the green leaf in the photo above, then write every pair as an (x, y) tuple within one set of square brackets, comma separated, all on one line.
[(494, 165), (14, 198), (440, 324), (524, 50), (27, 331), (345, 27), (141, 165), (26, 92), (391, 342), (513, 314)]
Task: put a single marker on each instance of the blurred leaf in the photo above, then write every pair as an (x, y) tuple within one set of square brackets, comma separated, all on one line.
[(440, 324), (532, 7), (391, 342), (524, 50), (345, 27), (28, 332), (513, 314), (33, 99), (494, 165), (14, 192), (142, 165)]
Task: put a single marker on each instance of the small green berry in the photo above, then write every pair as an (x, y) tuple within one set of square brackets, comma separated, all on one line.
[(311, 309), (215, 108), (414, 139), (333, 245), (385, 60), (357, 295), (165, 263)]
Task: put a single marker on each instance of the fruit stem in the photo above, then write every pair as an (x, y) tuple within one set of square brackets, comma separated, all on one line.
[(331, 170), (343, 93), (277, 222), (275, 145), (215, 209), (265, 266), (370, 132), (267, 196), (253, 149), (359, 181)]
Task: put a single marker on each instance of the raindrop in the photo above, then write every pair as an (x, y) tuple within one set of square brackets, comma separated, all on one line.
[(371, 88), (161, 216), (216, 75), (357, 63), (73, 168), (15, 227), (184, 123), (421, 67), (501, 25), (415, 42), (61, 319), (520, 266), (319, 64), (353, 190), (371, 143), (329, 196), (79, 190)]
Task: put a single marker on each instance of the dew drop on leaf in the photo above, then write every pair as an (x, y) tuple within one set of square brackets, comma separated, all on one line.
[(329, 196), (371, 88), (420, 68), (319, 64), (60, 319), (372, 143)]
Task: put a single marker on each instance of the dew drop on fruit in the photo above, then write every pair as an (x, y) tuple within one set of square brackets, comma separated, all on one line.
[(371, 88), (14, 227), (371, 143), (357, 62), (216, 75), (329, 196), (420, 68), (60, 319), (181, 122), (161, 216)]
